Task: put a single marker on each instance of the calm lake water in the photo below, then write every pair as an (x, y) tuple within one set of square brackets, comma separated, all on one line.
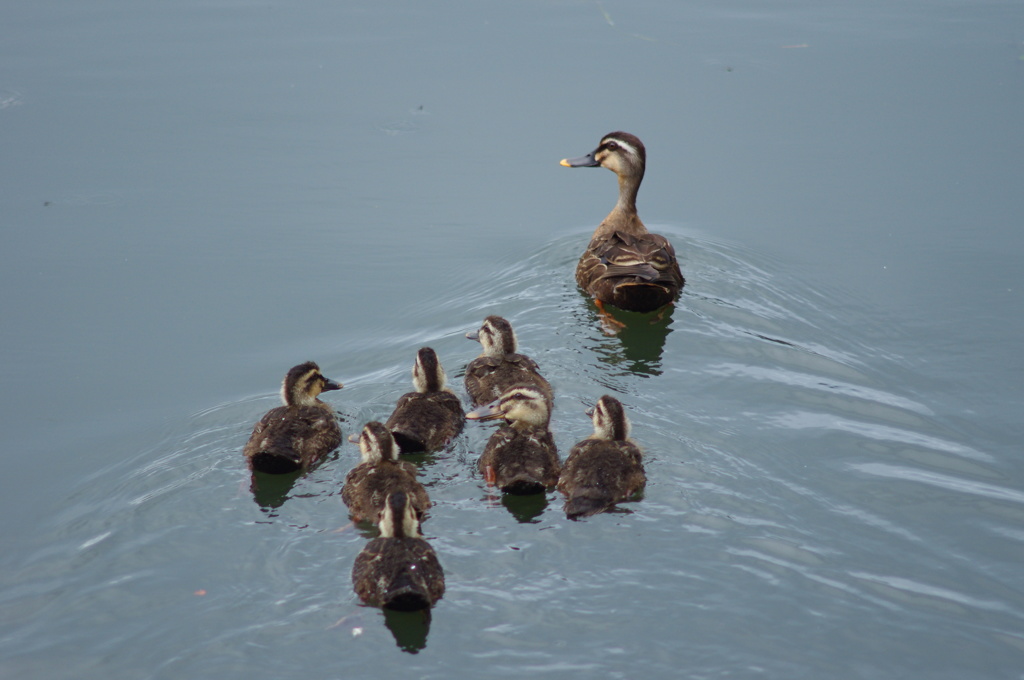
[(198, 195)]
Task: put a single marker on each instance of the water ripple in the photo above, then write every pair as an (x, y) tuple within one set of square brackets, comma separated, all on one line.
[(752, 401), (908, 590), (809, 420), (941, 481)]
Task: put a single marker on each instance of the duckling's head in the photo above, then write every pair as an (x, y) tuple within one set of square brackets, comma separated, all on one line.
[(427, 373), (377, 444), (610, 421), (496, 337), (524, 406), (398, 518), (622, 153), (304, 383)]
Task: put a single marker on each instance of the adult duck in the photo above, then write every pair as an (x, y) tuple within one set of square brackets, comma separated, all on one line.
[(625, 265)]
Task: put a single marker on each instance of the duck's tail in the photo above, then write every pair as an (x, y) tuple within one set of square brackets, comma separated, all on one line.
[(274, 463), (405, 595), (522, 484), (408, 442), (407, 600), (639, 296)]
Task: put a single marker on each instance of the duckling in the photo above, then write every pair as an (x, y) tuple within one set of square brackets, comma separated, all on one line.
[(499, 366), (299, 434), (380, 473), (427, 419), (520, 458), (399, 570), (625, 265), (605, 468)]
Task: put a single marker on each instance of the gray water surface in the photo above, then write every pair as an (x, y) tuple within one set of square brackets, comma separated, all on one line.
[(197, 196)]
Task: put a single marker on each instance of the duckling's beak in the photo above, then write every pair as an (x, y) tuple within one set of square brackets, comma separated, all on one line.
[(590, 411), (473, 335), (488, 412), (587, 161), (330, 385)]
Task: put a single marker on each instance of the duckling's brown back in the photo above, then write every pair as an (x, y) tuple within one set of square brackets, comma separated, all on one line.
[(523, 460), (290, 438), (488, 378)]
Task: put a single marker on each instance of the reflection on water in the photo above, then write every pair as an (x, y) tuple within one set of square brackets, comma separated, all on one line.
[(270, 491), (525, 508), (528, 508), (424, 459), (637, 346), (409, 628)]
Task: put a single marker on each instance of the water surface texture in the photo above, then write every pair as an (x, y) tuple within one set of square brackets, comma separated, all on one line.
[(197, 196)]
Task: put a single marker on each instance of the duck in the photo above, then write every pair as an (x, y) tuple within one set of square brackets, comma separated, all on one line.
[(521, 457), (380, 474), (606, 467), (624, 264), (399, 570), (500, 366), (427, 419), (297, 435)]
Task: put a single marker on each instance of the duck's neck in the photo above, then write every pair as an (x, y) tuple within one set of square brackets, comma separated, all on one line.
[(503, 347), (302, 399), (623, 216)]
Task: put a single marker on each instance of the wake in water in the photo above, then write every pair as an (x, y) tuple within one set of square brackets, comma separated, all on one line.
[(790, 469)]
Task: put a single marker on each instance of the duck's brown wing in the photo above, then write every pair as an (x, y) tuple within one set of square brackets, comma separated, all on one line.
[(637, 273), (522, 460), (426, 422), (398, 573), (599, 473), (488, 378), (292, 436), (479, 380)]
